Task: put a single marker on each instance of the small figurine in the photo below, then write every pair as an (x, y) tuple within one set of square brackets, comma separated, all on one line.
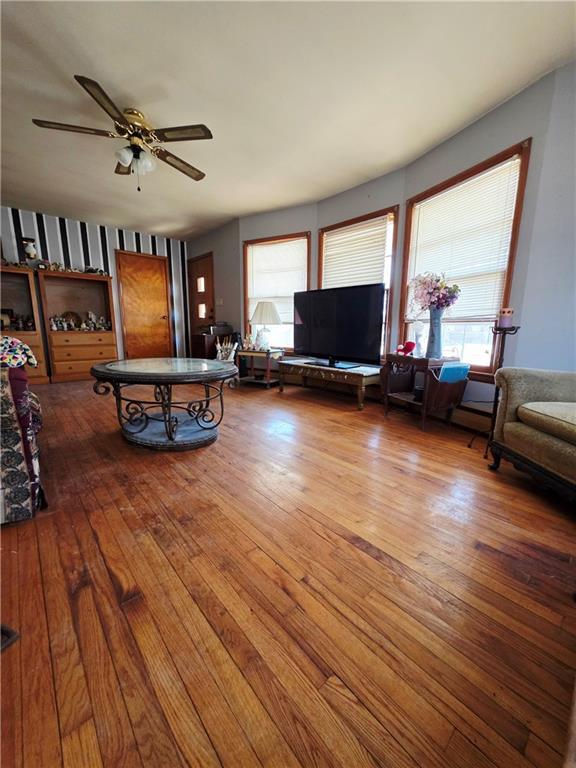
[(29, 324), (53, 326), (30, 247), (83, 327)]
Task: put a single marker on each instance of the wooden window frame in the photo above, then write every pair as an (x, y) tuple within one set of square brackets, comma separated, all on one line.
[(522, 149), (275, 239), (395, 211)]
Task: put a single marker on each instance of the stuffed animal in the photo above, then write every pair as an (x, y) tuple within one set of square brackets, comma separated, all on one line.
[(406, 349)]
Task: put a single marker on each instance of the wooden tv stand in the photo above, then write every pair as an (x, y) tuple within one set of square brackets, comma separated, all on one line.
[(357, 378)]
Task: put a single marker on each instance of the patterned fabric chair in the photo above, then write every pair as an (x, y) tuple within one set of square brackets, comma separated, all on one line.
[(536, 425), (21, 493)]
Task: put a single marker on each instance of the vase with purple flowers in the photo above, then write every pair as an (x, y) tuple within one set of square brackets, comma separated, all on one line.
[(432, 293)]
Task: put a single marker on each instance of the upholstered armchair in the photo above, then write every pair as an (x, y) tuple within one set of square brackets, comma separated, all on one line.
[(536, 425), (21, 494)]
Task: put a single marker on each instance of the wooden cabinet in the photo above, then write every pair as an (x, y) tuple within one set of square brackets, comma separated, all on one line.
[(73, 353), (19, 300), (203, 345)]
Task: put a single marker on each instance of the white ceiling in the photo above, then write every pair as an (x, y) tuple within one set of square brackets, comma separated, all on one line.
[(304, 99)]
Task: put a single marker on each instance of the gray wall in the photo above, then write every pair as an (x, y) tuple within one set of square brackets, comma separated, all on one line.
[(544, 284), (97, 250), (224, 243)]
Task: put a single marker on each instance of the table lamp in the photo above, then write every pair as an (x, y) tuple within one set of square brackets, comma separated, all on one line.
[(264, 314)]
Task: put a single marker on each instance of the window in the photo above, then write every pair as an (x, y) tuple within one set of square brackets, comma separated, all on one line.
[(359, 252), (274, 270), (466, 229)]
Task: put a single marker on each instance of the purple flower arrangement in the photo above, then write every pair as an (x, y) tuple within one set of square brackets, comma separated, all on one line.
[(432, 291)]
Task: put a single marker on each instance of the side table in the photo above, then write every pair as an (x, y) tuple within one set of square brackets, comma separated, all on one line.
[(265, 379), (397, 383)]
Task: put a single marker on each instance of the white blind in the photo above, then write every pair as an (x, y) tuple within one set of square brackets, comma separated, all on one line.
[(464, 232), (356, 254), (275, 271)]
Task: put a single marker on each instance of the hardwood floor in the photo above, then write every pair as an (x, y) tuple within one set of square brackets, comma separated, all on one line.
[(320, 587)]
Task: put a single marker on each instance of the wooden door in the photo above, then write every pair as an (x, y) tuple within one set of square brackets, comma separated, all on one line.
[(201, 292), (145, 304)]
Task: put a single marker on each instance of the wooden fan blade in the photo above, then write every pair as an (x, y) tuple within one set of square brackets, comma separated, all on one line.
[(100, 96), (74, 128), (183, 133), (179, 164), (123, 170)]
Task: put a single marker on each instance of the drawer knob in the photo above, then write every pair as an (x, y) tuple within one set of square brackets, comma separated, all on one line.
[(67, 341)]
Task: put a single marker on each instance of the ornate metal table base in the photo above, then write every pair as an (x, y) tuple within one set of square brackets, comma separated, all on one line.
[(188, 436), (163, 422)]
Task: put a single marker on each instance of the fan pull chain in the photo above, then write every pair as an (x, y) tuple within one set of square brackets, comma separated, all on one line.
[(139, 189)]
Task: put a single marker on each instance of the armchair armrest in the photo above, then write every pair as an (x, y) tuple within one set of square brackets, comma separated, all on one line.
[(528, 385)]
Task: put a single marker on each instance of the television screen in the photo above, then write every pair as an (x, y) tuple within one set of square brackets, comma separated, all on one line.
[(340, 324)]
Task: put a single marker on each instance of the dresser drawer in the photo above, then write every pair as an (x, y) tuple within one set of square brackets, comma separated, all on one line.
[(38, 372), (82, 338), (101, 352), (74, 366)]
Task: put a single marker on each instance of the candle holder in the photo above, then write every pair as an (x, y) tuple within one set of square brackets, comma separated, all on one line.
[(501, 332)]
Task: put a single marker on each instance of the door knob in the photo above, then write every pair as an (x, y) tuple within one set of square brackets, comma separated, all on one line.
[(164, 317)]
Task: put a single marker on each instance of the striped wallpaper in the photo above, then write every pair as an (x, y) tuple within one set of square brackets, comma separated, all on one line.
[(77, 244)]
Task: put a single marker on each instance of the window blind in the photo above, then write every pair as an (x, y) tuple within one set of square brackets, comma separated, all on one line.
[(465, 232), (275, 270), (357, 254)]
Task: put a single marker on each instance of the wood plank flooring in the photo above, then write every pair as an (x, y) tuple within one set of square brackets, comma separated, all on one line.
[(320, 587)]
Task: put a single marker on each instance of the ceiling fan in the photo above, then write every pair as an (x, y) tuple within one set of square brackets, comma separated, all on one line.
[(131, 124)]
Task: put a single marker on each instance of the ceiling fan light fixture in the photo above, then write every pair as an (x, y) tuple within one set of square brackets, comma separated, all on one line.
[(124, 156), (146, 163)]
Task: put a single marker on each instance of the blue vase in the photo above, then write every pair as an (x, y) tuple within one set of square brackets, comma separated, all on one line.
[(434, 346)]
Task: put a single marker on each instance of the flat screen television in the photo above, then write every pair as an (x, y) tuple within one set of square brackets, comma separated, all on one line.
[(340, 326)]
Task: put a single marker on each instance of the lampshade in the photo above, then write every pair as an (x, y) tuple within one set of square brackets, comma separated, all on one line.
[(144, 164), (125, 156), (266, 314)]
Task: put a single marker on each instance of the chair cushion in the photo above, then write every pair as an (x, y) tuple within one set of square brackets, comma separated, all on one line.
[(556, 419), (551, 453)]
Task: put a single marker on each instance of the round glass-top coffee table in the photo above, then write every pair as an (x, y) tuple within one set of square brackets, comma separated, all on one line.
[(163, 421)]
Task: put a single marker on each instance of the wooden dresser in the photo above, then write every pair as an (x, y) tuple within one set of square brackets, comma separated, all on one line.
[(19, 297), (73, 353)]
